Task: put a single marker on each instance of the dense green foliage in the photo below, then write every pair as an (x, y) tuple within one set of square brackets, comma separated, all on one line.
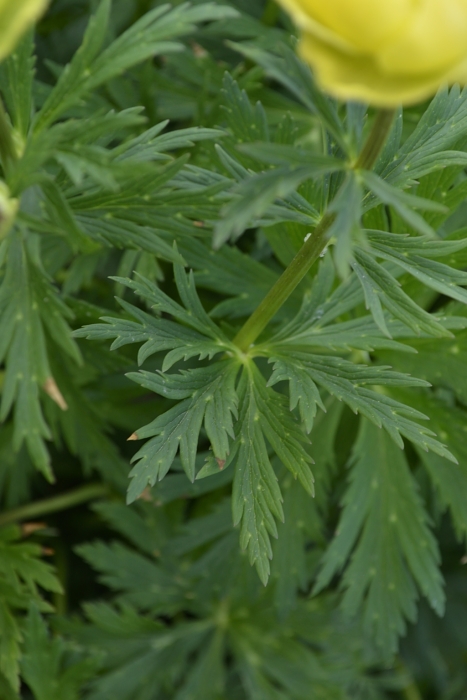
[(295, 522)]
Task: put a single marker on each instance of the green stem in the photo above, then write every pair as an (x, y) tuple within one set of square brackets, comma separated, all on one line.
[(285, 285), (313, 247), (54, 504), (376, 139)]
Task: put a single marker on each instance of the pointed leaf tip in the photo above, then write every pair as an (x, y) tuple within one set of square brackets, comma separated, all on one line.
[(50, 387)]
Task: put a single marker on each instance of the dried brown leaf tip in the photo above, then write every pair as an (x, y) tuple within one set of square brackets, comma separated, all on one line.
[(133, 436), (29, 528), (50, 387), (146, 495), (220, 462)]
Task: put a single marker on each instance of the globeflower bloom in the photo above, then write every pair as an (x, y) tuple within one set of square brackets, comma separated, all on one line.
[(385, 52), (16, 16)]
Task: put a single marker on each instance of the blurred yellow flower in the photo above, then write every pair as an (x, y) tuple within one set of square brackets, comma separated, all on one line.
[(385, 52), (15, 17)]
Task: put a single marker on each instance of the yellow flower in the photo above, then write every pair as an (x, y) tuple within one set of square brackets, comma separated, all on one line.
[(386, 52), (15, 17)]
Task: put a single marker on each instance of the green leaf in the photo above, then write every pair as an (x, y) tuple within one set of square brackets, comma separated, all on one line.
[(449, 480), (253, 196), (228, 271), (346, 206), (10, 638), (206, 678), (142, 655), (44, 667), (414, 255), (256, 497), (448, 373), (16, 76), (140, 581), (161, 334), (302, 524), (208, 389), (381, 288), (30, 310), (120, 233), (347, 382), (403, 202), (385, 524), (247, 123), (295, 76), (62, 216), (151, 35), (70, 85), (303, 391), (21, 573), (441, 126), (152, 145)]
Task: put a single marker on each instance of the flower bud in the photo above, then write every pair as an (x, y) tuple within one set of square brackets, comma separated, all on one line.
[(385, 52), (16, 16)]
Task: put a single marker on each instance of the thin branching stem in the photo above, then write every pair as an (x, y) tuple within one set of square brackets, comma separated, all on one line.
[(54, 504)]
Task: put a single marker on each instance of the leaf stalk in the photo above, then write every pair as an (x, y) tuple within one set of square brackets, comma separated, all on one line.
[(54, 504)]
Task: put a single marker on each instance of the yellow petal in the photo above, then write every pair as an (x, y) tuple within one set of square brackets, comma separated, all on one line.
[(360, 77), (16, 16), (365, 24), (434, 39)]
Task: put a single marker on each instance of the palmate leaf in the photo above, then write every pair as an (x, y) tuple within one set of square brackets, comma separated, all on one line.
[(21, 574), (247, 123), (448, 479), (382, 289), (442, 125), (394, 552), (138, 182), (261, 196), (256, 497), (347, 382), (302, 524), (44, 667), (212, 401), (16, 76), (160, 334), (358, 334), (448, 373), (30, 312), (254, 195), (415, 255), (152, 145), (139, 580), (403, 202), (285, 67), (315, 323), (151, 35), (142, 657), (207, 394), (346, 207)]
